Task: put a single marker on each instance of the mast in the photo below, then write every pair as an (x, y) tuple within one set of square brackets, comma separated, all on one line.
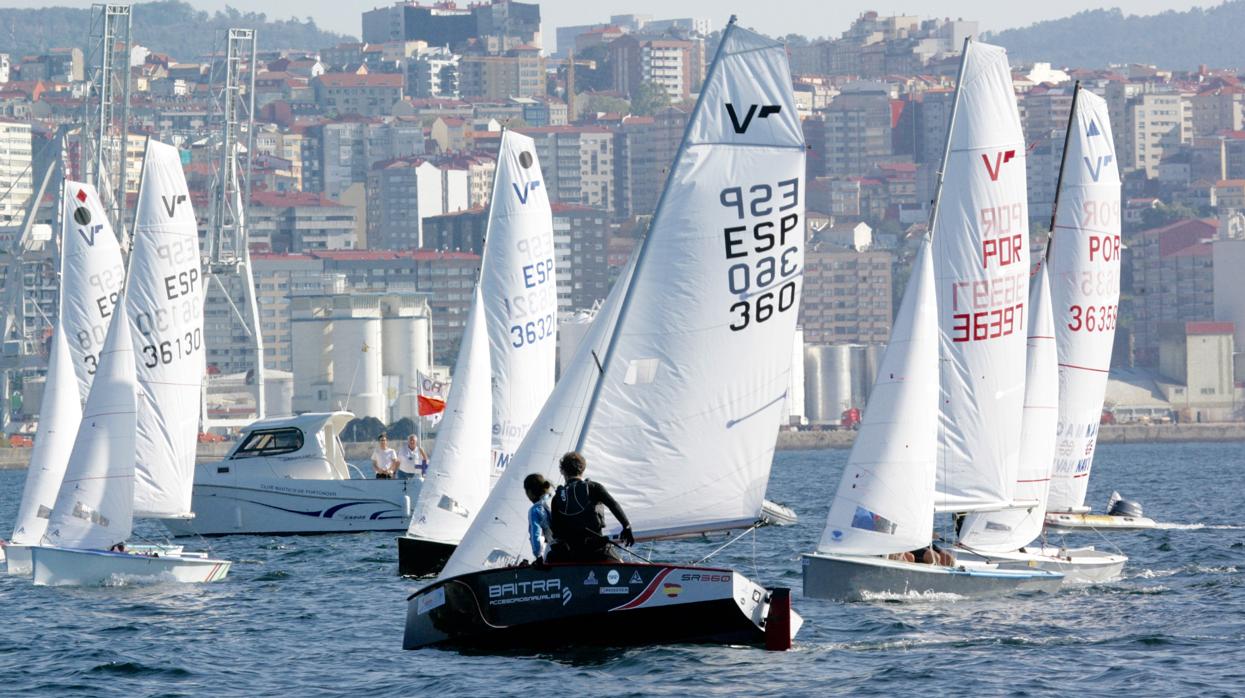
[(1063, 162), (644, 244), (946, 150)]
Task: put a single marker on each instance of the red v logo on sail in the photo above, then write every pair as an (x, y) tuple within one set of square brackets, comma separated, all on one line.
[(1000, 159)]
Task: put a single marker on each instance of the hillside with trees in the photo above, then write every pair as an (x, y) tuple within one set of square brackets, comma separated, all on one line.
[(167, 26), (1098, 38)]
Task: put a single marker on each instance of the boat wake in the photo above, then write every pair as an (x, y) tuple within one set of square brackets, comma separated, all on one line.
[(910, 596), (126, 580), (1198, 527)]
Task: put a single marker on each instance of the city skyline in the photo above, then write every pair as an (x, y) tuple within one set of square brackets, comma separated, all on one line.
[(784, 18)]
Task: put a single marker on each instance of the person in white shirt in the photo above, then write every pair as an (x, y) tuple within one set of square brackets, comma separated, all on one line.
[(384, 459), (413, 459)]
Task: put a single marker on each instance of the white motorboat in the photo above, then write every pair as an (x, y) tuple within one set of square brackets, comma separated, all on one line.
[(1077, 565), (289, 475), (72, 567), (1122, 515), (674, 397), (91, 275), (945, 415)]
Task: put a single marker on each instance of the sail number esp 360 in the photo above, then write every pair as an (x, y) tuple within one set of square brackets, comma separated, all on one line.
[(762, 250)]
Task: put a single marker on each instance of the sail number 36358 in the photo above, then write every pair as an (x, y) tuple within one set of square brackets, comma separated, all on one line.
[(764, 250)]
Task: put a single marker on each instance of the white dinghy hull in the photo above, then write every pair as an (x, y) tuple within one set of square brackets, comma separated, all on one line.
[(74, 567), (1067, 522), (17, 559), (860, 578), (1077, 565)]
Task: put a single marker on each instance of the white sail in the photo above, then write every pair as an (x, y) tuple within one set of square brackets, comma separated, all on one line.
[(1085, 293), (681, 424), (58, 423), (458, 480), (165, 306), (1012, 529), (981, 258), (95, 505), (92, 274), (885, 500), (520, 295)]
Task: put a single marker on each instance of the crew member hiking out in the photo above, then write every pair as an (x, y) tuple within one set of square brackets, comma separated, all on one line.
[(577, 517)]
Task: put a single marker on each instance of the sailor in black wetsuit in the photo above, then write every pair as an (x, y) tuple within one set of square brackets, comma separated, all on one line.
[(577, 518)]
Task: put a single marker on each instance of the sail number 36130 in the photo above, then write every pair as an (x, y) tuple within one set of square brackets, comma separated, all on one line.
[(764, 250)]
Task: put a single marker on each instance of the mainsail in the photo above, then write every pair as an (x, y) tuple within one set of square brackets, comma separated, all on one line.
[(694, 350), (1011, 529), (165, 297), (92, 274), (520, 295), (458, 480), (1085, 293), (981, 261), (885, 501), (95, 506), (58, 422)]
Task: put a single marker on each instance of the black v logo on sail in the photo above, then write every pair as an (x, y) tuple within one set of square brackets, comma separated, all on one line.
[(742, 127), (171, 202)]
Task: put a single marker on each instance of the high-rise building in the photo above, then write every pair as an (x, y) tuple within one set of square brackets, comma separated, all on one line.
[(1173, 280), (644, 149), (446, 24), (676, 65), (847, 296), (578, 164), (518, 73), (15, 170), (858, 129), (402, 193)]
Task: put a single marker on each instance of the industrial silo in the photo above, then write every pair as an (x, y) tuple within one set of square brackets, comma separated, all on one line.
[(828, 382), (793, 406), (406, 329), (572, 328), (358, 381)]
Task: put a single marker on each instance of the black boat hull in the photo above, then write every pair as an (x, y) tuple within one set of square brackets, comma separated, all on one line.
[(616, 604), (422, 558)]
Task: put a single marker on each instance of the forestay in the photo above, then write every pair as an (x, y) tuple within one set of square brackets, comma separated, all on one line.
[(92, 274), (94, 508), (681, 424), (520, 295), (54, 439), (1011, 529), (885, 500), (1085, 293), (981, 261), (165, 297), (457, 482)]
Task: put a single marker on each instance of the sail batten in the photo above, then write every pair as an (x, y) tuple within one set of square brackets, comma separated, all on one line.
[(164, 294), (670, 414)]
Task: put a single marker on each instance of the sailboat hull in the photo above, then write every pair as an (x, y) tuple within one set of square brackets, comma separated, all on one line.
[(422, 558), (852, 578), (1077, 565), (74, 567), (617, 604), (285, 506), (1065, 522), (17, 559)]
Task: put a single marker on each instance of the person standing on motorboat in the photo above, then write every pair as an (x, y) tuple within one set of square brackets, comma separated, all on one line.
[(577, 519), (414, 459), (384, 459), (538, 527)]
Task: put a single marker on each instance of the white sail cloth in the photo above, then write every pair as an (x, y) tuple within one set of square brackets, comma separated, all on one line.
[(92, 275), (681, 428), (517, 277), (1085, 293), (54, 440), (165, 306), (458, 480), (95, 506), (885, 500), (1012, 529), (981, 261)]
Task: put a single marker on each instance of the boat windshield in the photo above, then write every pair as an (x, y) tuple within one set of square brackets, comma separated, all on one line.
[(270, 442)]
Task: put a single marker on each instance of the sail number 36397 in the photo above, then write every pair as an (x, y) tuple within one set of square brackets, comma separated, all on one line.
[(764, 250)]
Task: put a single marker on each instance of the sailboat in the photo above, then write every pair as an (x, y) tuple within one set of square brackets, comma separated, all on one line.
[(509, 343), (162, 320), (1007, 538), (673, 396), (91, 276), (943, 422), (1085, 246)]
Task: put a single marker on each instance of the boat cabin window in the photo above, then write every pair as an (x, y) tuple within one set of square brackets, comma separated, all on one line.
[(270, 442)]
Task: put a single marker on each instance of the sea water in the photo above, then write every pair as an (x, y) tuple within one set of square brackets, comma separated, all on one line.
[(323, 615)]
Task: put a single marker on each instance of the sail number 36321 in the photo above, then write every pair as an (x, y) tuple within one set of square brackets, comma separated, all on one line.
[(764, 250)]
